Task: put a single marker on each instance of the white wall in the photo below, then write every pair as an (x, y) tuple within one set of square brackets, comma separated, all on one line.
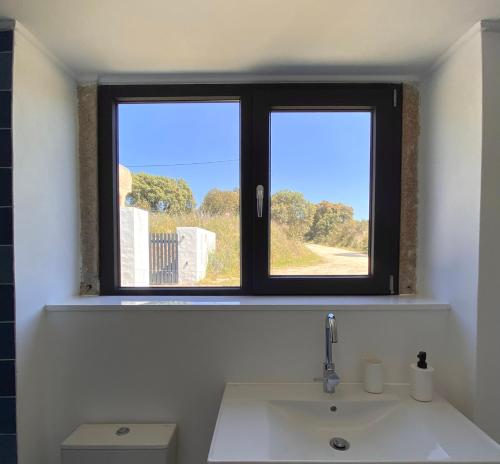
[(459, 216), (45, 224), (488, 347), (450, 192), (171, 365), (195, 246), (134, 247)]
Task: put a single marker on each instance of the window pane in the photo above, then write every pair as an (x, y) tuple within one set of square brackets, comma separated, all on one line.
[(179, 179), (320, 192)]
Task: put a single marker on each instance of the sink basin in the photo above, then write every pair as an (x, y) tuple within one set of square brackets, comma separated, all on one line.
[(331, 415), (296, 423)]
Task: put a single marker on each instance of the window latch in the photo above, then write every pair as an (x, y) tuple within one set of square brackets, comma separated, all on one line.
[(260, 199)]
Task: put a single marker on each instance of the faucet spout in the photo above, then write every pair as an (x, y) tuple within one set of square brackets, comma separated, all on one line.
[(330, 376), (330, 336)]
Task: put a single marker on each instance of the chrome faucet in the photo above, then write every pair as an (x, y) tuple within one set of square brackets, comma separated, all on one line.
[(330, 377)]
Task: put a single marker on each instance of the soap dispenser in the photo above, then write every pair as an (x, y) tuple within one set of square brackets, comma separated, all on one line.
[(421, 378)]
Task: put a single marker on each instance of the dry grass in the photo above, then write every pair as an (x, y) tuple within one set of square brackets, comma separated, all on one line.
[(224, 264), (287, 252)]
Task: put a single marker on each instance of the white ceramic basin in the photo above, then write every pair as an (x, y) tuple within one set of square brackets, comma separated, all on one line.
[(295, 423)]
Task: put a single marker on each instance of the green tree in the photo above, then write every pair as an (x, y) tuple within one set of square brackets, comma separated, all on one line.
[(221, 202), (327, 218), (292, 210), (159, 193)]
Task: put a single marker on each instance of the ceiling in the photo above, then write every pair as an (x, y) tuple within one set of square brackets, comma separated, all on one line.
[(214, 38)]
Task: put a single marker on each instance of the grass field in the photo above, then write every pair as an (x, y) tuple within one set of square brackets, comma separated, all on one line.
[(224, 264)]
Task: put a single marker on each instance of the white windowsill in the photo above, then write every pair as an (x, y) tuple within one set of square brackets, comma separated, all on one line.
[(246, 303)]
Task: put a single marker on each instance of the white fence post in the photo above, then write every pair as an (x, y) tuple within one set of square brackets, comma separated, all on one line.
[(195, 245), (134, 247)]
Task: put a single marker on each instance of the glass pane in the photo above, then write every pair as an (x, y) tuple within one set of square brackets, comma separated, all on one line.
[(179, 179), (320, 192)]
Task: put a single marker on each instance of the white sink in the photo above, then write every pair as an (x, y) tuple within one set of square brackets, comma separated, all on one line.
[(295, 423)]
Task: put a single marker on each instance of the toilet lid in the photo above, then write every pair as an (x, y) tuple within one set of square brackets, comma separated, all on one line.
[(120, 436)]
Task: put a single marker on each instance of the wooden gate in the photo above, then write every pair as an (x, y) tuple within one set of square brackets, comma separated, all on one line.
[(163, 259)]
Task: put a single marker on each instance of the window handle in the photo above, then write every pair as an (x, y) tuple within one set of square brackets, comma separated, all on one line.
[(260, 199)]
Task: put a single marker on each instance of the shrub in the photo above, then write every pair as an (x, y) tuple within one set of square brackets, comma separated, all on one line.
[(351, 234), (327, 217), (333, 224), (292, 210), (221, 202)]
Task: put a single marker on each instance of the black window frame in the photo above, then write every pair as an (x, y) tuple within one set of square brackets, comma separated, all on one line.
[(384, 101)]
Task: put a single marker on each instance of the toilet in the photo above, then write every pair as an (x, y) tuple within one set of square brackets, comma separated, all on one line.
[(121, 444)]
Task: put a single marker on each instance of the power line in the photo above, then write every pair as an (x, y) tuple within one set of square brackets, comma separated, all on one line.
[(180, 164)]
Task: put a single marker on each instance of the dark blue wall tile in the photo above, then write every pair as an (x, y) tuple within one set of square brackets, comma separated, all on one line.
[(8, 449), (7, 348), (7, 378), (6, 302), (6, 110), (6, 265), (5, 148), (6, 226), (6, 41), (5, 187), (7, 415), (5, 71), (8, 445)]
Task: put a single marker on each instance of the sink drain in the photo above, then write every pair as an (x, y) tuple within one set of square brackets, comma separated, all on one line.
[(339, 444)]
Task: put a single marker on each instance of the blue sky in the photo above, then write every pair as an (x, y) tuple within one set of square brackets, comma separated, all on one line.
[(324, 155)]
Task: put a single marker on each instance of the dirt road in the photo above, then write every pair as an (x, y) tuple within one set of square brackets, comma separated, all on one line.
[(336, 261)]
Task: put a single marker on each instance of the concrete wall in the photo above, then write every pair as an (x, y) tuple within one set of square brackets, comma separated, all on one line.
[(46, 233), (134, 247), (171, 364), (409, 190), (450, 192), (195, 246), (87, 157), (487, 412)]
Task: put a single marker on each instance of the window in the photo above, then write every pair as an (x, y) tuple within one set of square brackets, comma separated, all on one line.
[(249, 189), (179, 191), (320, 191)]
